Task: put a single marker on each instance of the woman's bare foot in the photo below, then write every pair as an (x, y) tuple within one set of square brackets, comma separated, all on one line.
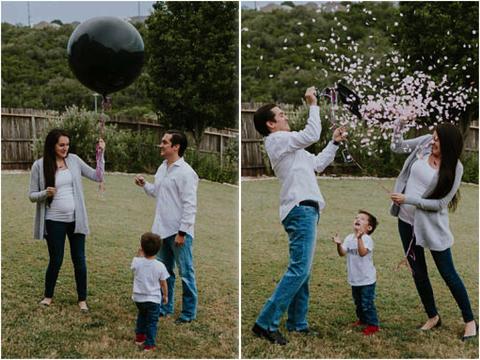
[(431, 323), (46, 301), (83, 306), (470, 329)]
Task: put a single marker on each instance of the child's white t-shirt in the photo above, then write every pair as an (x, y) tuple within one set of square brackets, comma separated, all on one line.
[(147, 274), (360, 269)]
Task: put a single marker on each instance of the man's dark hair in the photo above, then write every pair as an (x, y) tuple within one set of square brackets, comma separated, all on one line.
[(178, 138), (372, 220), (261, 116), (150, 243)]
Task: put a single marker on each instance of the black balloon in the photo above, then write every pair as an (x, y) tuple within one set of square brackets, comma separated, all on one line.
[(350, 99), (105, 54)]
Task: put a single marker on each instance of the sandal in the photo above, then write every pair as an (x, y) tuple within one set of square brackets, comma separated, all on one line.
[(83, 306), (45, 302)]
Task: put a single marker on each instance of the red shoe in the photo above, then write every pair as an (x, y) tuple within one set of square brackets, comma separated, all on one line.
[(370, 330), (148, 348), (358, 323), (140, 339)]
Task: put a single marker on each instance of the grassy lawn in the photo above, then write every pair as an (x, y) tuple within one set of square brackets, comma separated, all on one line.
[(265, 257), (116, 222)]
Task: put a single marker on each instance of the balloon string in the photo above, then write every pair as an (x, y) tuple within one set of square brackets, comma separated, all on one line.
[(99, 151)]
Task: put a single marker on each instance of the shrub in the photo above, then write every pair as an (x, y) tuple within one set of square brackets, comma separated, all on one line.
[(470, 167), (133, 151), (126, 151)]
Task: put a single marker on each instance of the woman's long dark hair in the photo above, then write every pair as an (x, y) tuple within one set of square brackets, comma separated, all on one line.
[(451, 146), (50, 159)]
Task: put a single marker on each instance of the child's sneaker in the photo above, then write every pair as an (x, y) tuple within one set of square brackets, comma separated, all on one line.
[(148, 348), (357, 323), (140, 339), (370, 330)]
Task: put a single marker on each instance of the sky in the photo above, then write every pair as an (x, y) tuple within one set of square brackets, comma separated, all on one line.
[(260, 4), (16, 12)]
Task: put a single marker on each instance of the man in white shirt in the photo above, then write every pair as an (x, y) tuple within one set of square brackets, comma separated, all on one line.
[(175, 189), (300, 204)]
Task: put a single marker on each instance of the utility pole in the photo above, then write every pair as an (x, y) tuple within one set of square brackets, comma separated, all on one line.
[(138, 8), (28, 12)]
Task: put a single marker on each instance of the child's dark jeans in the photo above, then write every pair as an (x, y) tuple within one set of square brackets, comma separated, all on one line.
[(364, 298), (147, 319)]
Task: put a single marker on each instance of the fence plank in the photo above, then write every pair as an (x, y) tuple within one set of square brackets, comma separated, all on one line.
[(20, 128)]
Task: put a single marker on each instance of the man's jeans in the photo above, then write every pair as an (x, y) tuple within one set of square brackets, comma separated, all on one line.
[(292, 290), (444, 262), (147, 319), (364, 298), (170, 255)]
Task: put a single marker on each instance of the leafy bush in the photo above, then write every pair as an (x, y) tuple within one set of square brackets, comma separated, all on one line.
[(208, 166), (470, 167), (126, 151), (133, 151)]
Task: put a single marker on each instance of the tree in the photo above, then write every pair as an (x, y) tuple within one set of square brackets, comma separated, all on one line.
[(192, 56), (35, 72), (283, 52), (441, 38)]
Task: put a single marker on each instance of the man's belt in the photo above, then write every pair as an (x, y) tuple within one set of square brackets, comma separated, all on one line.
[(311, 203)]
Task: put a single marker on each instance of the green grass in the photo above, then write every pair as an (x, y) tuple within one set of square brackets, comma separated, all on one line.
[(265, 257), (116, 223)]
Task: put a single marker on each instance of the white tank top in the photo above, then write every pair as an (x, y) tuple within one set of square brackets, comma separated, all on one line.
[(62, 207), (421, 176)]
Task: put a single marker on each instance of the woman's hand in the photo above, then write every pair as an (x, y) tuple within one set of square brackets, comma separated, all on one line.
[(340, 134), (51, 191), (397, 198), (101, 144)]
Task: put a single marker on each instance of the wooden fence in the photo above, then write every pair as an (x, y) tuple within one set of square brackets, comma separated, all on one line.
[(255, 161), (21, 127), (253, 155), (471, 142)]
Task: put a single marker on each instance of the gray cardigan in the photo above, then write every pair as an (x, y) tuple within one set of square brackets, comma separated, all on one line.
[(38, 192), (431, 225)]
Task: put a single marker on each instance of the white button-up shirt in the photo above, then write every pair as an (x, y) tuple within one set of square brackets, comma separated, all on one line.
[(295, 167), (175, 189)]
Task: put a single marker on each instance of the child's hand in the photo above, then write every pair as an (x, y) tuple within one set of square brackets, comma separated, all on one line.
[(336, 239), (359, 234), (140, 253), (165, 300)]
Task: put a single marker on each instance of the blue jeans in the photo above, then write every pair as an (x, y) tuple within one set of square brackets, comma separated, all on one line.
[(147, 319), (444, 262), (292, 290), (170, 255), (56, 232), (364, 299)]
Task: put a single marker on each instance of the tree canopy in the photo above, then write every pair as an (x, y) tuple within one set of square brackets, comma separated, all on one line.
[(192, 64), (35, 72), (283, 52)]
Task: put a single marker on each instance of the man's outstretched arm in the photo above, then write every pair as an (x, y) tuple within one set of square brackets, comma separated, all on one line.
[(326, 157)]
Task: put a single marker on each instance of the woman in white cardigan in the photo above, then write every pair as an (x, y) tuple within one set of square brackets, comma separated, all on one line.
[(425, 190), (56, 187)]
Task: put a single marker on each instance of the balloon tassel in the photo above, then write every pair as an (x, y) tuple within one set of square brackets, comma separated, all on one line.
[(106, 105)]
